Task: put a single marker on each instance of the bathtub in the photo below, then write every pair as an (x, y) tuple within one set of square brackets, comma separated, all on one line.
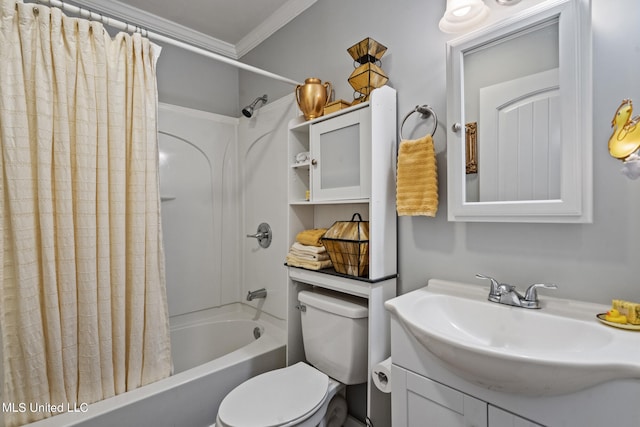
[(221, 352)]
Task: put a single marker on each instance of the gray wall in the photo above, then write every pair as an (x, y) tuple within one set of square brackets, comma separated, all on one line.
[(194, 81), (593, 262)]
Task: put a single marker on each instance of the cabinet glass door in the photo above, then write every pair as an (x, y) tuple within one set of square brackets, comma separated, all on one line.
[(340, 154), (339, 157)]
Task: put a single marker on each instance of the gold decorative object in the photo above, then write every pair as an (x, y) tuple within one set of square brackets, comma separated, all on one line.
[(335, 106), (367, 75), (471, 147), (347, 244), (312, 96), (368, 50), (625, 139)]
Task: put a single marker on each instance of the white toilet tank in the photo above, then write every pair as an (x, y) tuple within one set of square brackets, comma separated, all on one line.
[(335, 334)]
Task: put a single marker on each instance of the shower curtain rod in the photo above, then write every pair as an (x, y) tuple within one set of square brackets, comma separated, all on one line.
[(124, 26)]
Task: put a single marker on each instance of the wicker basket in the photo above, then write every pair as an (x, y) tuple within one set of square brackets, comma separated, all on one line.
[(347, 243)]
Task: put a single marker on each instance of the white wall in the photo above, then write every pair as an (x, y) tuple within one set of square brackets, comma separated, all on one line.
[(593, 262), (262, 143), (221, 177), (201, 210), (191, 80)]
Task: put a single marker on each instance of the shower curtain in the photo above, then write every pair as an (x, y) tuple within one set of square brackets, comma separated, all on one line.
[(82, 288)]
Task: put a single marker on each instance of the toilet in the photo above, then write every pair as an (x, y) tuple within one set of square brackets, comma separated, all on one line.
[(335, 338)]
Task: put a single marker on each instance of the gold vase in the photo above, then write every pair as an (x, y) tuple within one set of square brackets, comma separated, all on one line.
[(312, 96)]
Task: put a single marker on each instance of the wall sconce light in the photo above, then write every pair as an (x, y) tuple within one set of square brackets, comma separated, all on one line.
[(462, 15)]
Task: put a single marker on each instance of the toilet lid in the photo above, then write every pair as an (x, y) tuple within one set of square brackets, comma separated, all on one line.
[(275, 398)]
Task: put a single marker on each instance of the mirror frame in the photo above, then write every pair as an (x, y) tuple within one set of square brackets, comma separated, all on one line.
[(575, 203)]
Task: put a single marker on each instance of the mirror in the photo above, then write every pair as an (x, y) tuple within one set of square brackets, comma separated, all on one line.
[(519, 116)]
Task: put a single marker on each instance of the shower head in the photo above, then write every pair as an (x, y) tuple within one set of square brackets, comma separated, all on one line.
[(248, 110)]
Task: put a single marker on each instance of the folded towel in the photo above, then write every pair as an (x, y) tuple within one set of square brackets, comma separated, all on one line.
[(294, 261), (309, 255), (311, 237), (309, 249), (417, 181)]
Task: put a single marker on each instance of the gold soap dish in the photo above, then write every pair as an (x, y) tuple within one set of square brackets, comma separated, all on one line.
[(627, 326)]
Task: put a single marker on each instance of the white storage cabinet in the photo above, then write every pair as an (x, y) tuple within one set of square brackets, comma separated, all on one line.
[(350, 168)]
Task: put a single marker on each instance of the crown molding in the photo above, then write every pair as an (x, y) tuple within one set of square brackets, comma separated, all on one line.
[(157, 24), (273, 23)]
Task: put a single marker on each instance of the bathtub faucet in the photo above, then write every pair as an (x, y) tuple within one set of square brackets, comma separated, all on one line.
[(260, 293)]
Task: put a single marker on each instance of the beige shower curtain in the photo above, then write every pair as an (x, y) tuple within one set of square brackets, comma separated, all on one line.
[(82, 287)]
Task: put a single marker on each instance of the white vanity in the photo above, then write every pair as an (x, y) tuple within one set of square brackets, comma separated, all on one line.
[(461, 360)]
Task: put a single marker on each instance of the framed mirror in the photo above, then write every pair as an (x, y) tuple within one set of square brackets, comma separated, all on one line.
[(519, 143)]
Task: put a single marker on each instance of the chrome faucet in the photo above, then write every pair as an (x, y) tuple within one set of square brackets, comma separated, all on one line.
[(260, 293), (503, 293)]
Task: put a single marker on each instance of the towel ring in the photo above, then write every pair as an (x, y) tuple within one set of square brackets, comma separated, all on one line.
[(425, 111)]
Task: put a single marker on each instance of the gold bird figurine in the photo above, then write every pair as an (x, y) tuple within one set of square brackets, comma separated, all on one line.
[(625, 138)]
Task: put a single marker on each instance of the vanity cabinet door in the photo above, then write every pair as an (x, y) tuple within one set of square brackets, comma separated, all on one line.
[(341, 157), (500, 418), (417, 401)]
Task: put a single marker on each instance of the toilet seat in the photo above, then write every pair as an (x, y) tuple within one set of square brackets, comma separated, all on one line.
[(281, 397)]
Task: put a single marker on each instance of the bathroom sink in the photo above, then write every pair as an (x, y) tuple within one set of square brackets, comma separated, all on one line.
[(560, 348)]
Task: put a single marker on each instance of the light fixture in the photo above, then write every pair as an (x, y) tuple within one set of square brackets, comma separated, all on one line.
[(462, 15)]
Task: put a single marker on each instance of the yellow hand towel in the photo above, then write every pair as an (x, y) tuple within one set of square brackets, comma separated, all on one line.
[(311, 237), (417, 181)]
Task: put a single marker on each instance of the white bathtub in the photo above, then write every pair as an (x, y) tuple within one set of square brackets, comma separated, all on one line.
[(212, 355)]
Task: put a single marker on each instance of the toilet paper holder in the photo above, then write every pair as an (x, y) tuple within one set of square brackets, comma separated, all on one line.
[(381, 374), (382, 377)]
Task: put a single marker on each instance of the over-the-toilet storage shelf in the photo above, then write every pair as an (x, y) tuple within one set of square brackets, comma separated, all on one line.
[(359, 176)]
